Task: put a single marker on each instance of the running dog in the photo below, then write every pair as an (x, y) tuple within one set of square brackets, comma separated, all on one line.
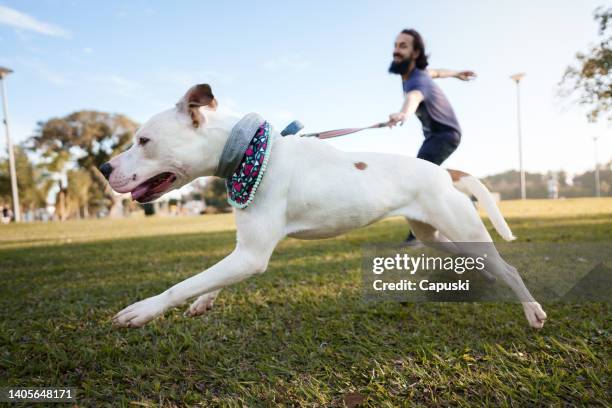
[(310, 190)]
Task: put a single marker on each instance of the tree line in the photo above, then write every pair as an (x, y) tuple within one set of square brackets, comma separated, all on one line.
[(537, 184)]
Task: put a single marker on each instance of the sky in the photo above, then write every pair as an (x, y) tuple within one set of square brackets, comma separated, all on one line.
[(324, 63)]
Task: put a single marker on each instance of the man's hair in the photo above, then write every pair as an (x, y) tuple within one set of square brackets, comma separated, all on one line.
[(419, 45)]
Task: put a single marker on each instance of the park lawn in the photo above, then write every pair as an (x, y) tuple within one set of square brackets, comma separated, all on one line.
[(299, 334)]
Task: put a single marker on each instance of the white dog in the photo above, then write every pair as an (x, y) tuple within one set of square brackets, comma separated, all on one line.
[(310, 190)]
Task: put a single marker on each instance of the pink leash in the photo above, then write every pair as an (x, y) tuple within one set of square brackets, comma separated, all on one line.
[(341, 132)]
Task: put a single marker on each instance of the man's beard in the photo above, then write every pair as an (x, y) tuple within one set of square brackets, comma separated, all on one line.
[(402, 67)]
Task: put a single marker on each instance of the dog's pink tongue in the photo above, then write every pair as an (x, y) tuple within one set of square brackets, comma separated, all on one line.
[(163, 186), (139, 192)]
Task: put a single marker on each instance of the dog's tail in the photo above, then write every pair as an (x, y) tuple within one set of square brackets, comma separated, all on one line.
[(470, 185)]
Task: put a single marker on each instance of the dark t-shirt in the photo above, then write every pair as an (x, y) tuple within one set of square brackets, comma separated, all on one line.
[(435, 112)]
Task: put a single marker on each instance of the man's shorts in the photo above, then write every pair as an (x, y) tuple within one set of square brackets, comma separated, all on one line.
[(438, 146)]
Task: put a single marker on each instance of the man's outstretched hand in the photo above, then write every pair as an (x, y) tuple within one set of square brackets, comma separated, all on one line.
[(466, 75)]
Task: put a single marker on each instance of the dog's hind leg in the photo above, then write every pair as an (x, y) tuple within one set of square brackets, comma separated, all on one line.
[(433, 238), (497, 266), (456, 218)]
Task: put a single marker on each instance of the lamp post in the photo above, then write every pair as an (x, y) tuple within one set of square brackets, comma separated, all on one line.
[(597, 191), (517, 78), (9, 145)]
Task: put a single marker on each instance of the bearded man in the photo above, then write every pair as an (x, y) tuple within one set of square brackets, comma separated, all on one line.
[(425, 99)]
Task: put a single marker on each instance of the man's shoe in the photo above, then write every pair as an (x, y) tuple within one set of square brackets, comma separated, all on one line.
[(413, 242)]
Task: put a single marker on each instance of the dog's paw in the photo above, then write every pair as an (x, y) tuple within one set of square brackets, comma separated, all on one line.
[(535, 314), (140, 313), (201, 305)]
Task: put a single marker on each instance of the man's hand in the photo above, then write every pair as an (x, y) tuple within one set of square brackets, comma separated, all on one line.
[(396, 118), (449, 73), (465, 75)]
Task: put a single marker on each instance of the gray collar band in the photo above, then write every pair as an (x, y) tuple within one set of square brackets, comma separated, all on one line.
[(236, 144)]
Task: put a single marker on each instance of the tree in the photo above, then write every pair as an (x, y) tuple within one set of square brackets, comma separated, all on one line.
[(78, 191), (584, 184), (31, 182), (86, 140), (591, 78)]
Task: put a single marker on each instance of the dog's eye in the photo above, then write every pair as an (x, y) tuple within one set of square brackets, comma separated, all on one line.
[(143, 141)]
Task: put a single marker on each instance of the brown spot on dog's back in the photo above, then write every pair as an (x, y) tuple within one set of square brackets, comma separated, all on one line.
[(361, 165), (456, 174)]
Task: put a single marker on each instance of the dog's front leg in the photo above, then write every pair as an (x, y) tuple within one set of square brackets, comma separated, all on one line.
[(258, 234), (202, 304), (240, 264)]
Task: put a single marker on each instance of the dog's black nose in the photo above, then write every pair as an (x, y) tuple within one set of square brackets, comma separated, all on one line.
[(106, 169)]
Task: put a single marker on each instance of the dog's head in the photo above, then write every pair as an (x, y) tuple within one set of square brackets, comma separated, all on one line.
[(170, 149)]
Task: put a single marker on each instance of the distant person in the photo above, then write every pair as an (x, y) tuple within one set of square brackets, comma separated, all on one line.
[(553, 187), (425, 99), (6, 215)]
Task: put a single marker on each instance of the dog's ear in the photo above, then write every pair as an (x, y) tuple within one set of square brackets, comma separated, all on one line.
[(212, 105), (196, 97)]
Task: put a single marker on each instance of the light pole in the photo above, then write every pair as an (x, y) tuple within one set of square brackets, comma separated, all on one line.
[(9, 145), (517, 78), (597, 192)]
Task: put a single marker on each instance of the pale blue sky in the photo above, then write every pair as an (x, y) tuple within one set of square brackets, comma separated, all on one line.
[(324, 63)]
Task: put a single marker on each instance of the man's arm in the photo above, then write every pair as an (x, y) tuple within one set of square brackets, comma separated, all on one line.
[(413, 99), (448, 73)]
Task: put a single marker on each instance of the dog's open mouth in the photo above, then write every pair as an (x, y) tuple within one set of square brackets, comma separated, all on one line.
[(153, 188)]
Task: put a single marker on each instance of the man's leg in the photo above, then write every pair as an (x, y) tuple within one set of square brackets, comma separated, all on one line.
[(435, 149)]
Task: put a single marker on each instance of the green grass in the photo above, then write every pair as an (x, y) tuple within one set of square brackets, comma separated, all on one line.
[(299, 334)]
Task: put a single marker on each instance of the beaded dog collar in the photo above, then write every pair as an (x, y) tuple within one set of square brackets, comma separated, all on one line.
[(244, 159)]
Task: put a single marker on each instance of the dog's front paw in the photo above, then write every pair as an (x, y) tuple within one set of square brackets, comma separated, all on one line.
[(202, 304), (535, 314), (140, 313)]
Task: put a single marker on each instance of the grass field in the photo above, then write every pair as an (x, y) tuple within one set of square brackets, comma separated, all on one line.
[(299, 334)]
